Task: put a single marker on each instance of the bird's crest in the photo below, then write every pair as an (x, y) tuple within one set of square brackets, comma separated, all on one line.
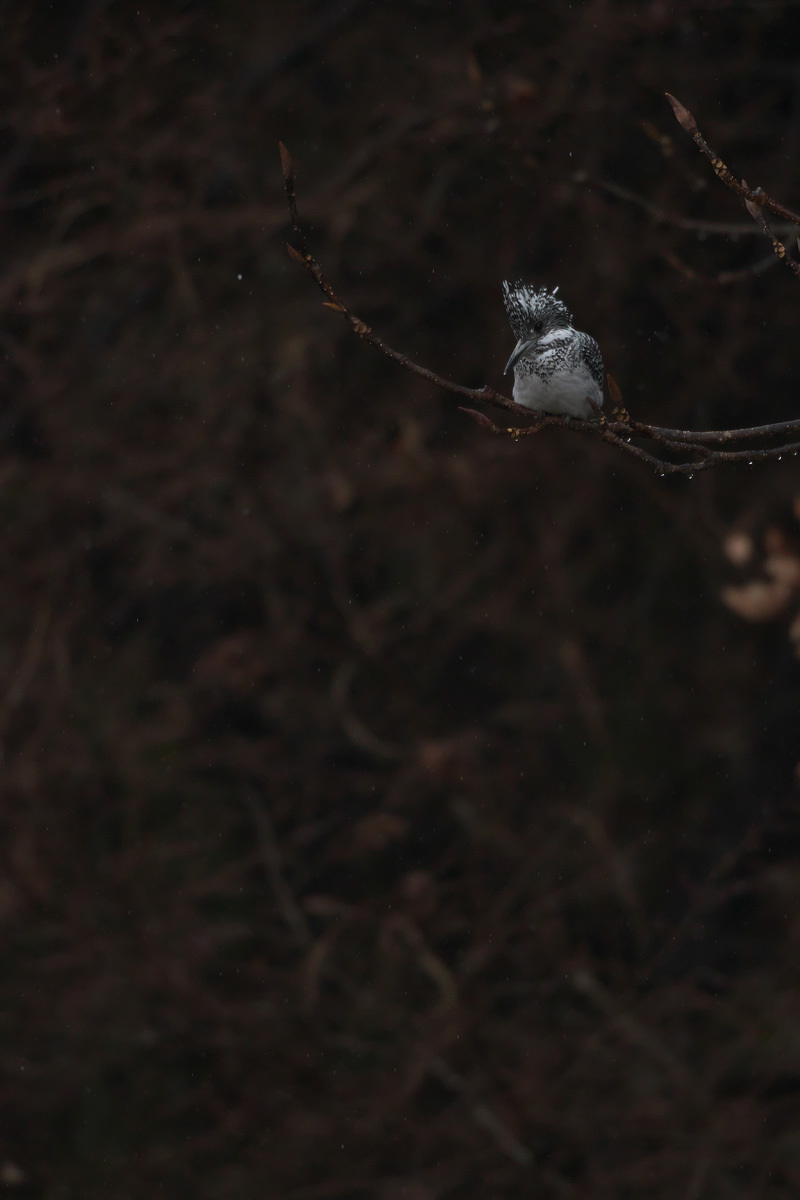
[(528, 307)]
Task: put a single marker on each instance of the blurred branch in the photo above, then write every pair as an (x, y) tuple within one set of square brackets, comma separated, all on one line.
[(756, 200), (287, 905), (661, 217), (482, 1114), (696, 450), (722, 278)]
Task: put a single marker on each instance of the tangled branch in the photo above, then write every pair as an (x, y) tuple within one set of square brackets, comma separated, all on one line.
[(672, 451)]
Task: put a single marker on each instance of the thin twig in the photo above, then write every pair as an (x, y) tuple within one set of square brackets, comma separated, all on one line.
[(481, 1113), (722, 278), (269, 850), (661, 217)]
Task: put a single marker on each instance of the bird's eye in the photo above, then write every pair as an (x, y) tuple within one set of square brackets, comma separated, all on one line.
[(538, 326)]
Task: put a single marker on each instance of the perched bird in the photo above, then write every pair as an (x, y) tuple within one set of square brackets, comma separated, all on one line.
[(557, 369)]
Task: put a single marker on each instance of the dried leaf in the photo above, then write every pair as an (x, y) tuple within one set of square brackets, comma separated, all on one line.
[(757, 601), (614, 392), (295, 254)]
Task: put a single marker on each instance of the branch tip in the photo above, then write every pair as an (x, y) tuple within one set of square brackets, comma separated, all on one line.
[(479, 418), (682, 115), (295, 254), (286, 162)]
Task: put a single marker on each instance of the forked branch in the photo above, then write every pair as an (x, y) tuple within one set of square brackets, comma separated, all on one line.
[(673, 451), (756, 200)]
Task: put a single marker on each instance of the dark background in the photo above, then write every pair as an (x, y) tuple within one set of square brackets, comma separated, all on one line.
[(390, 810)]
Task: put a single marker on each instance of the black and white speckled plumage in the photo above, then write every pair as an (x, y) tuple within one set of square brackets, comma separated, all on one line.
[(557, 368)]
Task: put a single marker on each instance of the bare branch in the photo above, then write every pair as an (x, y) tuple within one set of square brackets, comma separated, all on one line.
[(701, 446), (757, 195), (302, 254), (661, 217), (722, 278), (755, 199)]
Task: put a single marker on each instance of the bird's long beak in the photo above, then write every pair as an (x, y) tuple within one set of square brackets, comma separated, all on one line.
[(522, 346)]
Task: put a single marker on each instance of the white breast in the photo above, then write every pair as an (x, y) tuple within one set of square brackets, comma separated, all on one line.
[(562, 392)]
